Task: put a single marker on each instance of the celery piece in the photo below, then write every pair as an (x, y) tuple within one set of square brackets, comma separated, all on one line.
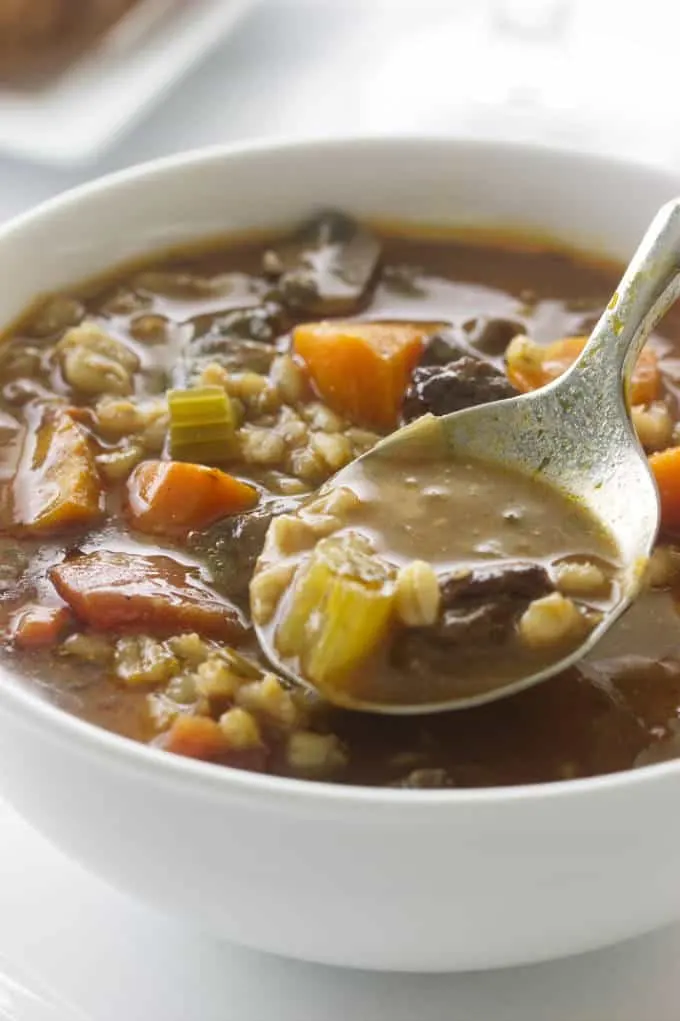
[(202, 424), (356, 620), (311, 586), (340, 611)]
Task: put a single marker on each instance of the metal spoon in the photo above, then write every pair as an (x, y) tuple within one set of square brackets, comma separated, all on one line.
[(575, 433)]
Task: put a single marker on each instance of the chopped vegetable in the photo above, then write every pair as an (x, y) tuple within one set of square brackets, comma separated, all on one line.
[(37, 627), (666, 468), (342, 603), (197, 737), (202, 424), (154, 594), (57, 485), (326, 267), (176, 497), (560, 355), (530, 366), (645, 384), (524, 363), (653, 425), (362, 370)]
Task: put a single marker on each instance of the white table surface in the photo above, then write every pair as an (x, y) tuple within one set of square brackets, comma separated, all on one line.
[(117, 961), (305, 67)]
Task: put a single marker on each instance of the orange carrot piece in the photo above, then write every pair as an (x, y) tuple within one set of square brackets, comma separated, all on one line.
[(197, 737), (38, 627), (665, 466), (57, 484), (557, 357), (156, 594), (175, 497), (645, 384), (361, 370)]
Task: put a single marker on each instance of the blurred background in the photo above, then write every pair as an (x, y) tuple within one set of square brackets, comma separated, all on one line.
[(88, 86)]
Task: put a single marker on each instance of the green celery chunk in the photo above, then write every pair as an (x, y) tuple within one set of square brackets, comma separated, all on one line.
[(341, 609), (202, 425)]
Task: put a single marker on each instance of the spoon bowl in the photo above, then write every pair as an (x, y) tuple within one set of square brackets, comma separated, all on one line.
[(574, 434)]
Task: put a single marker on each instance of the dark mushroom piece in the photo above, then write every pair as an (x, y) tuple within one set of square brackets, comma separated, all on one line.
[(490, 336), (327, 267), (231, 546), (242, 339), (446, 345)]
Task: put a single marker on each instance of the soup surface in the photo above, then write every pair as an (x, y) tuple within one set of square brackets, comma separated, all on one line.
[(154, 424), (444, 578)]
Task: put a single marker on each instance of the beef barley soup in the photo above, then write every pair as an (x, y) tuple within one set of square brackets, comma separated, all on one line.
[(156, 424), (436, 578)]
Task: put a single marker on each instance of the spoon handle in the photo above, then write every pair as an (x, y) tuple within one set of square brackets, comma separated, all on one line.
[(647, 289)]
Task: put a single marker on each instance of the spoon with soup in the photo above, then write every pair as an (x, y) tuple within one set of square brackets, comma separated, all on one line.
[(468, 557)]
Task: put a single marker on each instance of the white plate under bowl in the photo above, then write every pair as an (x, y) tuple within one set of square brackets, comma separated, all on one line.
[(84, 110)]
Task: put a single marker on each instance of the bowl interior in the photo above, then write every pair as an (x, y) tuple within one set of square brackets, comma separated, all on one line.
[(582, 202)]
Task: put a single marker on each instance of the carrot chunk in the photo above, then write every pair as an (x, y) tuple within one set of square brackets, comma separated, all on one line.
[(137, 593), (561, 355), (665, 466), (175, 497), (37, 627), (57, 485), (361, 370), (530, 366), (197, 737), (645, 384)]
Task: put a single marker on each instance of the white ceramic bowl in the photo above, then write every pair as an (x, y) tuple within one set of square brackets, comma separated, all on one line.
[(391, 879)]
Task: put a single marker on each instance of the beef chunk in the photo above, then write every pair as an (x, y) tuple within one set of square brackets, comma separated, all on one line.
[(483, 604), (327, 267), (517, 581), (478, 608), (463, 383)]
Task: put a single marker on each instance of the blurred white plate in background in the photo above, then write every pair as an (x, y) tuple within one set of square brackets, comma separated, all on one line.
[(85, 109), (24, 998)]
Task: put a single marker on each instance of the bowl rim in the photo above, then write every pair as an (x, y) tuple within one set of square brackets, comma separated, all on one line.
[(205, 778)]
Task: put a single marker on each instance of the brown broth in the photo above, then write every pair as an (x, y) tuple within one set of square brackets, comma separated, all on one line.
[(464, 515), (618, 710)]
